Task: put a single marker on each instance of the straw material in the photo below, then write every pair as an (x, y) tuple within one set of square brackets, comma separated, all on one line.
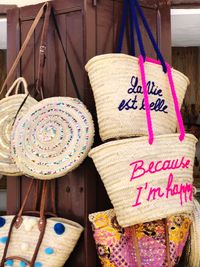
[(53, 138), (194, 252), (113, 162), (56, 246), (9, 107), (143, 243), (110, 77)]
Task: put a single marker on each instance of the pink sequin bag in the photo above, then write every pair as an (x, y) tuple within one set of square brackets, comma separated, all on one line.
[(154, 244)]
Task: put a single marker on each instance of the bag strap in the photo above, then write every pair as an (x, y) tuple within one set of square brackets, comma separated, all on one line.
[(17, 221), (16, 85), (166, 69), (65, 54), (42, 52), (125, 13), (28, 37), (169, 263)]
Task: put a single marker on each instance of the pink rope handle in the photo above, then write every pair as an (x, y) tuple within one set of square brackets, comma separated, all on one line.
[(146, 99)]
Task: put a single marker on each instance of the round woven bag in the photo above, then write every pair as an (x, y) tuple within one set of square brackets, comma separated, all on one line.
[(9, 107), (53, 138), (147, 182)]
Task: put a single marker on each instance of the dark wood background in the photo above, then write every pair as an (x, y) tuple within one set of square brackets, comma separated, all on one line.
[(88, 28)]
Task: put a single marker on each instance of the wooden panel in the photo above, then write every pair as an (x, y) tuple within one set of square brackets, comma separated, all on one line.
[(2, 66)]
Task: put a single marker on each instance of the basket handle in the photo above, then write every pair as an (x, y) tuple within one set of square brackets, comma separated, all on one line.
[(125, 13), (17, 221), (166, 68), (16, 85)]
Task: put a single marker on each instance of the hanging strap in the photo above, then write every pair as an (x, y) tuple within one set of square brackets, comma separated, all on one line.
[(17, 221), (150, 34), (166, 66), (65, 54), (29, 35), (42, 52), (169, 263), (122, 26)]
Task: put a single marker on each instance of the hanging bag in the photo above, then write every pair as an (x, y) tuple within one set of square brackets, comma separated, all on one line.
[(15, 106), (157, 244), (34, 241), (55, 136), (119, 88), (148, 179), (9, 107)]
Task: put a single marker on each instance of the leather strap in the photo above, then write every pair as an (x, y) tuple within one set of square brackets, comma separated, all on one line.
[(28, 37), (42, 52), (169, 263), (17, 220), (136, 246)]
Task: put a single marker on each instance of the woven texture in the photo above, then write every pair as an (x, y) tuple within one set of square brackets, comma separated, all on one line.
[(113, 77), (59, 240), (116, 245), (116, 160), (53, 138), (194, 252), (9, 107)]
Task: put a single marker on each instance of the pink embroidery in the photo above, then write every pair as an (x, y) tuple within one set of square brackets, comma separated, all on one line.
[(154, 167), (146, 99)]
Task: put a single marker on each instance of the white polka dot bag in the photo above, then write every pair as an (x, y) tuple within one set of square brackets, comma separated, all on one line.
[(37, 241)]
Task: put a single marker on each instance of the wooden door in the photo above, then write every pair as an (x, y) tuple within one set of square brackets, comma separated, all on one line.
[(88, 27)]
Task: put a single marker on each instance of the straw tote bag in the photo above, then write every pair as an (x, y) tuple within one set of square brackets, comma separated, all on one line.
[(194, 244), (56, 136), (9, 107), (119, 89), (154, 244), (36, 241)]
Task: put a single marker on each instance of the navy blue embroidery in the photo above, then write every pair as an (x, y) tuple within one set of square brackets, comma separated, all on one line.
[(158, 106)]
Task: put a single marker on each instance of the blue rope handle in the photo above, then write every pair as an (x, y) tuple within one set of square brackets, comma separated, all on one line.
[(150, 34), (137, 27), (132, 28), (125, 13)]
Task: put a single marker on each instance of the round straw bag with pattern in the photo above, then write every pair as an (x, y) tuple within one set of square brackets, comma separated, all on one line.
[(156, 244), (53, 138), (119, 92), (12, 106)]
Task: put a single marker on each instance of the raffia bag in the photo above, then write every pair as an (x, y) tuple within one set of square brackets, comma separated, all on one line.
[(37, 241), (53, 138), (194, 244), (159, 243), (121, 82), (147, 182), (9, 107), (116, 84)]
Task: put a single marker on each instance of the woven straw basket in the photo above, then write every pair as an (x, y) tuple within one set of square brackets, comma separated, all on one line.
[(111, 76), (56, 247), (9, 107), (115, 162), (194, 252)]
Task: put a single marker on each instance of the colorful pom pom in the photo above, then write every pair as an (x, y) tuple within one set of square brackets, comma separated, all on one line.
[(2, 221), (59, 228), (49, 251)]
